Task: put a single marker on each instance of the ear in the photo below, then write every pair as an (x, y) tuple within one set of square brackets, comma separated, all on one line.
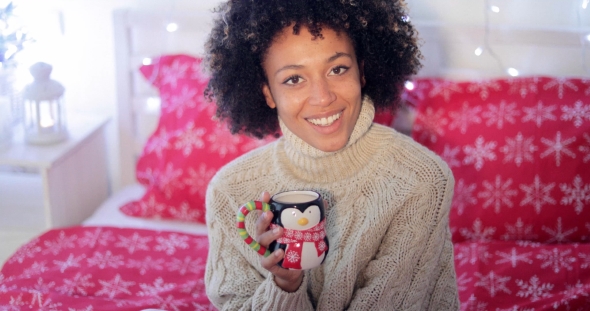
[(268, 96)]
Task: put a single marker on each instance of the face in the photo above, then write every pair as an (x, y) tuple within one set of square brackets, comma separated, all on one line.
[(315, 85)]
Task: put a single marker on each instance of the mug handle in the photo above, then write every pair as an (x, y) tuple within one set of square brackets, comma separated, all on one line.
[(241, 217)]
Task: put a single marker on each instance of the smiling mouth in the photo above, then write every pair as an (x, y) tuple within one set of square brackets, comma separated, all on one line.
[(325, 121)]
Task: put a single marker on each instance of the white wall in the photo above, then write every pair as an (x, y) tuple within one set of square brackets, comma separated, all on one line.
[(535, 36)]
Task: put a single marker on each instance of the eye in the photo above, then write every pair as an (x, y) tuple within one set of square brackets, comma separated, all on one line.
[(339, 70), (292, 80)]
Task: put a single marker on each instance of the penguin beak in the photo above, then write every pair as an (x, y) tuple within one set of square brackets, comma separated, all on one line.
[(302, 221)]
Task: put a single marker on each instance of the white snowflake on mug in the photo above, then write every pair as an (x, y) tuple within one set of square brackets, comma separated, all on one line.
[(519, 149), (578, 113), (539, 113), (463, 118), (292, 256), (576, 194), (560, 84), (558, 147), (499, 114), (519, 231), (533, 289), (558, 235), (479, 152), (537, 194), (497, 193)]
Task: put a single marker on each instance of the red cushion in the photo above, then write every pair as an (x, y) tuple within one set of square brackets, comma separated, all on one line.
[(187, 147), (520, 153)]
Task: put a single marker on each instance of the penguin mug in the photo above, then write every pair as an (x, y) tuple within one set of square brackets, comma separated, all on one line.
[(302, 216)]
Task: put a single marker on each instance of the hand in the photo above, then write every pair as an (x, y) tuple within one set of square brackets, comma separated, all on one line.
[(288, 280)]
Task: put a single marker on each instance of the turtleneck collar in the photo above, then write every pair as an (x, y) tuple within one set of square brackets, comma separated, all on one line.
[(316, 165)]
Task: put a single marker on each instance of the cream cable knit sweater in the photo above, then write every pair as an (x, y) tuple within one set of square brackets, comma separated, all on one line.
[(387, 223)]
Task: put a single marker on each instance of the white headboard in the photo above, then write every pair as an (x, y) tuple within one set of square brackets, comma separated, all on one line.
[(141, 35)]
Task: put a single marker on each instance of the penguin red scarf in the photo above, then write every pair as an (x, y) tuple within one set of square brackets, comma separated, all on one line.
[(294, 240)]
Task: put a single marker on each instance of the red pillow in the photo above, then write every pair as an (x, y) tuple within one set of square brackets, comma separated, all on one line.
[(187, 147), (520, 152)]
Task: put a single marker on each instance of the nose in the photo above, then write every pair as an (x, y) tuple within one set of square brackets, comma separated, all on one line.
[(302, 221), (321, 93)]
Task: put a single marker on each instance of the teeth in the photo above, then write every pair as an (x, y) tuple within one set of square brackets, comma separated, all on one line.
[(325, 121)]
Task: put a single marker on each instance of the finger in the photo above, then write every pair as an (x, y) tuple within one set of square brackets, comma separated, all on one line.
[(271, 262), (265, 197), (267, 237), (263, 222)]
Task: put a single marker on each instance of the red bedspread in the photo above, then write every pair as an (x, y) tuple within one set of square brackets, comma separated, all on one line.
[(105, 268)]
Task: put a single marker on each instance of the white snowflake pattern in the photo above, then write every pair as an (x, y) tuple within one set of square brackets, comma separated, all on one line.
[(158, 142), (169, 180), (585, 148), (88, 308), (513, 257), (537, 194), (198, 179), (499, 114), (539, 113), (463, 282), (147, 176), (155, 289), (172, 73), (114, 287), (471, 253), (223, 142), (105, 260), (151, 206), (449, 155), (29, 250), (186, 212), (497, 194), (493, 283), (585, 259), (134, 243), (292, 256), (71, 262), (190, 139), (479, 233), (38, 292), (464, 196), (444, 88), (556, 260), (77, 285), (146, 264), (484, 87), (62, 242), (572, 293), (558, 235), (533, 289), (463, 118), (519, 149), (519, 232), (479, 152), (187, 265), (170, 244), (577, 113), (576, 194), (35, 269), (558, 147), (561, 84), (472, 304), (430, 124), (180, 101), (523, 86), (98, 236)]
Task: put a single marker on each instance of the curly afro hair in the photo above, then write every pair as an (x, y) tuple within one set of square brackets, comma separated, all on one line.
[(384, 41)]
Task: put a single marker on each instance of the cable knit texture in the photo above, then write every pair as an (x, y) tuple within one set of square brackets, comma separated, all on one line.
[(388, 201)]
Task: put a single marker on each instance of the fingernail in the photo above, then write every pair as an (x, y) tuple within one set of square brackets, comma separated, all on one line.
[(275, 230), (277, 253)]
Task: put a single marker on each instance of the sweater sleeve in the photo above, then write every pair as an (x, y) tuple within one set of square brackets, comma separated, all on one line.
[(234, 279), (429, 283)]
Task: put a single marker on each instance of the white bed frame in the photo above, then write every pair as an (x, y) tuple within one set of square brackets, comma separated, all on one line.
[(142, 35)]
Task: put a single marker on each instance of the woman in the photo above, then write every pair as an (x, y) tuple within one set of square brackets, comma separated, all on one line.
[(317, 70)]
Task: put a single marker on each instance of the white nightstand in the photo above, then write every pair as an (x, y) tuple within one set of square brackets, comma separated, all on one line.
[(69, 182)]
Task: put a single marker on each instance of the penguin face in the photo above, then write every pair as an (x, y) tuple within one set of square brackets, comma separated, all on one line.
[(296, 219)]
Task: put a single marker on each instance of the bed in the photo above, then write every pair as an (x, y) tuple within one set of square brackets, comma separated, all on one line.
[(146, 246)]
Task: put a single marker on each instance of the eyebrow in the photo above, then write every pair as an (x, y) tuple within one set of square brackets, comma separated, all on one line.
[(331, 59)]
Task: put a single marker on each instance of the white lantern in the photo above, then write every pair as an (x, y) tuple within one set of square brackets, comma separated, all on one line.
[(44, 119)]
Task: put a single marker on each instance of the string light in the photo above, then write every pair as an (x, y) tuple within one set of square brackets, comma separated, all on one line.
[(146, 61), (172, 27), (585, 4), (495, 9), (409, 85), (478, 51), (512, 72)]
